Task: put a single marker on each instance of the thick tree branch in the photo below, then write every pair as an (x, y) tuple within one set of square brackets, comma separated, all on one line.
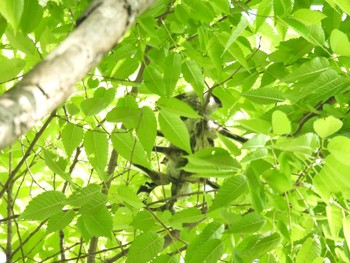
[(52, 81)]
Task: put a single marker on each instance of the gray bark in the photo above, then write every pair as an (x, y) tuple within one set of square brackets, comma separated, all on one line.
[(52, 81)]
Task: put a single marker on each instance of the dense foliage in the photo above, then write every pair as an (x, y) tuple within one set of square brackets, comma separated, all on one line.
[(89, 184)]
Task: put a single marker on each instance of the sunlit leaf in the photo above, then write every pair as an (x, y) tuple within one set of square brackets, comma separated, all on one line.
[(96, 147), (327, 126), (131, 149), (278, 181), (193, 75), (174, 130), (308, 70), (32, 15), (190, 215), (346, 230), (12, 10), (334, 217), (280, 123), (212, 231), (211, 251), (143, 220), (264, 95), (250, 222), (230, 190), (9, 68), (339, 147), (154, 81), (129, 197), (60, 221), (260, 246), (243, 23), (147, 129), (44, 206), (177, 107), (99, 223), (145, 247), (310, 250), (344, 5), (172, 72), (305, 144), (72, 136), (211, 162), (86, 195)]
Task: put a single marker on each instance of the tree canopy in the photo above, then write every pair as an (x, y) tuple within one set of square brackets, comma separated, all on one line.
[(214, 131)]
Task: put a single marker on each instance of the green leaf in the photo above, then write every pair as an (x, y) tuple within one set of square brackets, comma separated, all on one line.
[(236, 32), (248, 223), (340, 43), (324, 86), (310, 250), (177, 107), (278, 181), (126, 66), (99, 223), (305, 144), (56, 164), (308, 71), (257, 194), (32, 16), (339, 147), (131, 149), (199, 10), (346, 230), (44, 206), (129, 197), (261, 246), (343, 4), (264, 95), (282, 7), (309, 17), (101, 99), (145, 247), (60, 220), (256, 125), (9, 68), (189, 215), (236, 51), (22, 42), (333, 178), (165, 259), (154, 81), (211, 162), (12, 10), (231, 189), (72, 136), (280, 123), (96, 147), (174, 130), (143, 220), (172, 70), (193, 75), (211, 251), (129, 116), (264, 10), (212, 231), (313, 33), (82, 229), (258, 154), (147, 129), (334, 217), (327, 126), (86, 195)]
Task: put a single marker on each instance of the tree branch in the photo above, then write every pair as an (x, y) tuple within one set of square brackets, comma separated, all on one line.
[(52, 81)]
